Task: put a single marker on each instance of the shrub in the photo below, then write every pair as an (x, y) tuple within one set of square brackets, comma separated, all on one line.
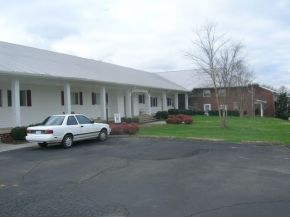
[(173, 111), (161, 115), (130, 119), (124, 128), (230, 113), (171, 120), (178, 119), (19, 133)]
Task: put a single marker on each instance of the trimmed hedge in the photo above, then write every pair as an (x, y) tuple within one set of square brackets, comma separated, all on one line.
[(19, 133), (130, 120)]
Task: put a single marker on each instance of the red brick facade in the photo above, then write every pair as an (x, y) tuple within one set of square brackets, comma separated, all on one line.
[(252, 95)]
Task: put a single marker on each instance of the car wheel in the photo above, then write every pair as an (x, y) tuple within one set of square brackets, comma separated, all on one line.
[(103, 135), (42, 144), (67, 141)]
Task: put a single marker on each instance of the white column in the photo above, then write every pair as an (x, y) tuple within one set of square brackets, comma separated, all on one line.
[(67, 98), (148, 99), (176, 100), (15, 89), (186, 101), (262, 110), (164, 101), (103, 103), (128, 103)]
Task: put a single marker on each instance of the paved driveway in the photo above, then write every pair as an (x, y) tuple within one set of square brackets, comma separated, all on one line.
[(146, 177)]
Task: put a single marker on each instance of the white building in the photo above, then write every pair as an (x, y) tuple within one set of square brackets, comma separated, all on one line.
[(35, 83)]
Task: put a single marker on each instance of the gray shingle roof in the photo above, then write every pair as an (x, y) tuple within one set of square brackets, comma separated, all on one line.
[(18, 59), (190, 79)]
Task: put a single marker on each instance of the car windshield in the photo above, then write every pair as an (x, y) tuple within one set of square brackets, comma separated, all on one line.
[(53, 121)]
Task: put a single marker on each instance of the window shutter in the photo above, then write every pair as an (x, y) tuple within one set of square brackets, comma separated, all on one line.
[(93, 98), (28, 93), (62, 97), (81, 98), (9, 98)]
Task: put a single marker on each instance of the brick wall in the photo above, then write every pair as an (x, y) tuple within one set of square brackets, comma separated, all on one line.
[(197, 100)]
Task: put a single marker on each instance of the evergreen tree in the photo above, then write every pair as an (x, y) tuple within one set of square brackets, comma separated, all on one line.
[(282, 106)]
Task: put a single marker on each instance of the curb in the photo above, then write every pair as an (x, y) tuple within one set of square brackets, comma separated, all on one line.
[(10, 147)]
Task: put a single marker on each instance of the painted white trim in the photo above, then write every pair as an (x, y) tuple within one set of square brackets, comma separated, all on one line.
[(103, 103), (148, 103), (67, 98), (204, 106), (176, 100), (186, 101), (128, 103), (15, 89), (164, 101)]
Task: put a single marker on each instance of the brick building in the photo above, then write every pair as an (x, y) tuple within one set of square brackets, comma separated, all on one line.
[(247, 100)]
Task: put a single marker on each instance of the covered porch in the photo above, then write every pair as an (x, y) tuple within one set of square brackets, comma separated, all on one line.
[(29, 100)]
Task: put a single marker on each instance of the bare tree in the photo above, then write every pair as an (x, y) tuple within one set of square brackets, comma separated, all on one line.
[(242, 81), (218, 57)]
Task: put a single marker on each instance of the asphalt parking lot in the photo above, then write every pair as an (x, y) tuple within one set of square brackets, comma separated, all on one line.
[(146, 177)]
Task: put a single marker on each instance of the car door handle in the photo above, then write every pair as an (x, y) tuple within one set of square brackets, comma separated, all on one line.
[(82, 126)]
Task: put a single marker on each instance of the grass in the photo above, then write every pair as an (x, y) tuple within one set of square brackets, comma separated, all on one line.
[(264, 130)]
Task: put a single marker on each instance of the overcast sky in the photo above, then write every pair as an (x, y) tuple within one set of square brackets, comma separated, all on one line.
[(152, 35)]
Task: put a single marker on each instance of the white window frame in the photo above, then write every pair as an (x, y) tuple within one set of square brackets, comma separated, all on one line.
[(142, 98), (75, 98), (204, 93), (169, 101), (23, 98), (154, 102), (204, 106), (222, 92)]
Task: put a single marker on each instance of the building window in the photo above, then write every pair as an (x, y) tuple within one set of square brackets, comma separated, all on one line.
[(154, 101), (77, 98), (222, 92), (206, 93), (25, 98), (169, 101), (0, 98), (96, 98), (142, 99)]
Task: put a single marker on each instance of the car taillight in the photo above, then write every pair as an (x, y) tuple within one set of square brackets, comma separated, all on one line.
[(48, 131), (29, 131)]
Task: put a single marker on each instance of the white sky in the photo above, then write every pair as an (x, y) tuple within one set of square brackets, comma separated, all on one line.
[(152, 35)]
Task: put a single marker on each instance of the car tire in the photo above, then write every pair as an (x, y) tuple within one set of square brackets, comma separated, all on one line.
[(103, 135), (42, 144), (67, 141)]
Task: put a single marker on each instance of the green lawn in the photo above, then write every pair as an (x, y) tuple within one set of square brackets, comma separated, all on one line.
[(269, 130)]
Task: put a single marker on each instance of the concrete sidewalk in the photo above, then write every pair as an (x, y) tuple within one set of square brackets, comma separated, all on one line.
[(9, 147)]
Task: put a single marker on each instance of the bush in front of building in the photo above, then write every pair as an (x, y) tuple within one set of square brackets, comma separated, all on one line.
[(130, 119), (178, 119), (230, 113), (19, 133), (161, 115), (124, 128)]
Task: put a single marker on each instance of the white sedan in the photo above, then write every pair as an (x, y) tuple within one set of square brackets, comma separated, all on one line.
[(66, 129)]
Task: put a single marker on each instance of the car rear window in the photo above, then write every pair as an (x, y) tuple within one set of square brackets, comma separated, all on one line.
[(53, 121)]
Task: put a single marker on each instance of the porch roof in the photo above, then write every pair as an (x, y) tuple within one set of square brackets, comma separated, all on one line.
[(23, 60)]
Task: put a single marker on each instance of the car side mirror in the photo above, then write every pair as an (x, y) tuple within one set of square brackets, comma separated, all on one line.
[(92, 121)]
